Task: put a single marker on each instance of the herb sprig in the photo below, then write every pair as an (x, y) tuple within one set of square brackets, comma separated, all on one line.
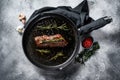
[(54, 26)]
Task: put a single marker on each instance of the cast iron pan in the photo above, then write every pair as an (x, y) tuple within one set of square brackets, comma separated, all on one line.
[(32, 31)]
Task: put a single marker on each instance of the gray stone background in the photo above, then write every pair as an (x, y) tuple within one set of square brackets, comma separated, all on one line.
[(104, 65)]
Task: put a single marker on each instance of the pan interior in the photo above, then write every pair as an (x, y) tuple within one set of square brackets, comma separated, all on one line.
[(50, 56)]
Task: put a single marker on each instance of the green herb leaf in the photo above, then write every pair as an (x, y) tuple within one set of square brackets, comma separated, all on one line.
[(53, 26), (43, 51), (59, 54)]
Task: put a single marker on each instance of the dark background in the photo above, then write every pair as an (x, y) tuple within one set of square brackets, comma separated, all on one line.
[(104, 65)]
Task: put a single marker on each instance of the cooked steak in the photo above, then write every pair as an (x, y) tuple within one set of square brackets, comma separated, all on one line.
[(50, 41)]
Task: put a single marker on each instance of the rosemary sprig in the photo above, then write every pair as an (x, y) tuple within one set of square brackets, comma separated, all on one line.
[(43, 51), (53, 26), (59, 54), (45, 27), (53, 40), (63, 27)]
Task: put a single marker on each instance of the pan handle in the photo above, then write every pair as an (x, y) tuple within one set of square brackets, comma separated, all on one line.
[(95, 25)]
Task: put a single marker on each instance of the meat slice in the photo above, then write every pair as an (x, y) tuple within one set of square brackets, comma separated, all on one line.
[(50, 41)]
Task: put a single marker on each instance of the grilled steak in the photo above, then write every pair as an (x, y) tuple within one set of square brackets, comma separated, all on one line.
[(50, 41)]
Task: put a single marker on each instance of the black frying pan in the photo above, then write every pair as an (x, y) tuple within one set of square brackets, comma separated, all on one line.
[(71, 50), (28, 42)]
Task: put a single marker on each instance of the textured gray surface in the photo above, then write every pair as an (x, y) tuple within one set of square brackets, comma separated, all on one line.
[(105, 65)]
